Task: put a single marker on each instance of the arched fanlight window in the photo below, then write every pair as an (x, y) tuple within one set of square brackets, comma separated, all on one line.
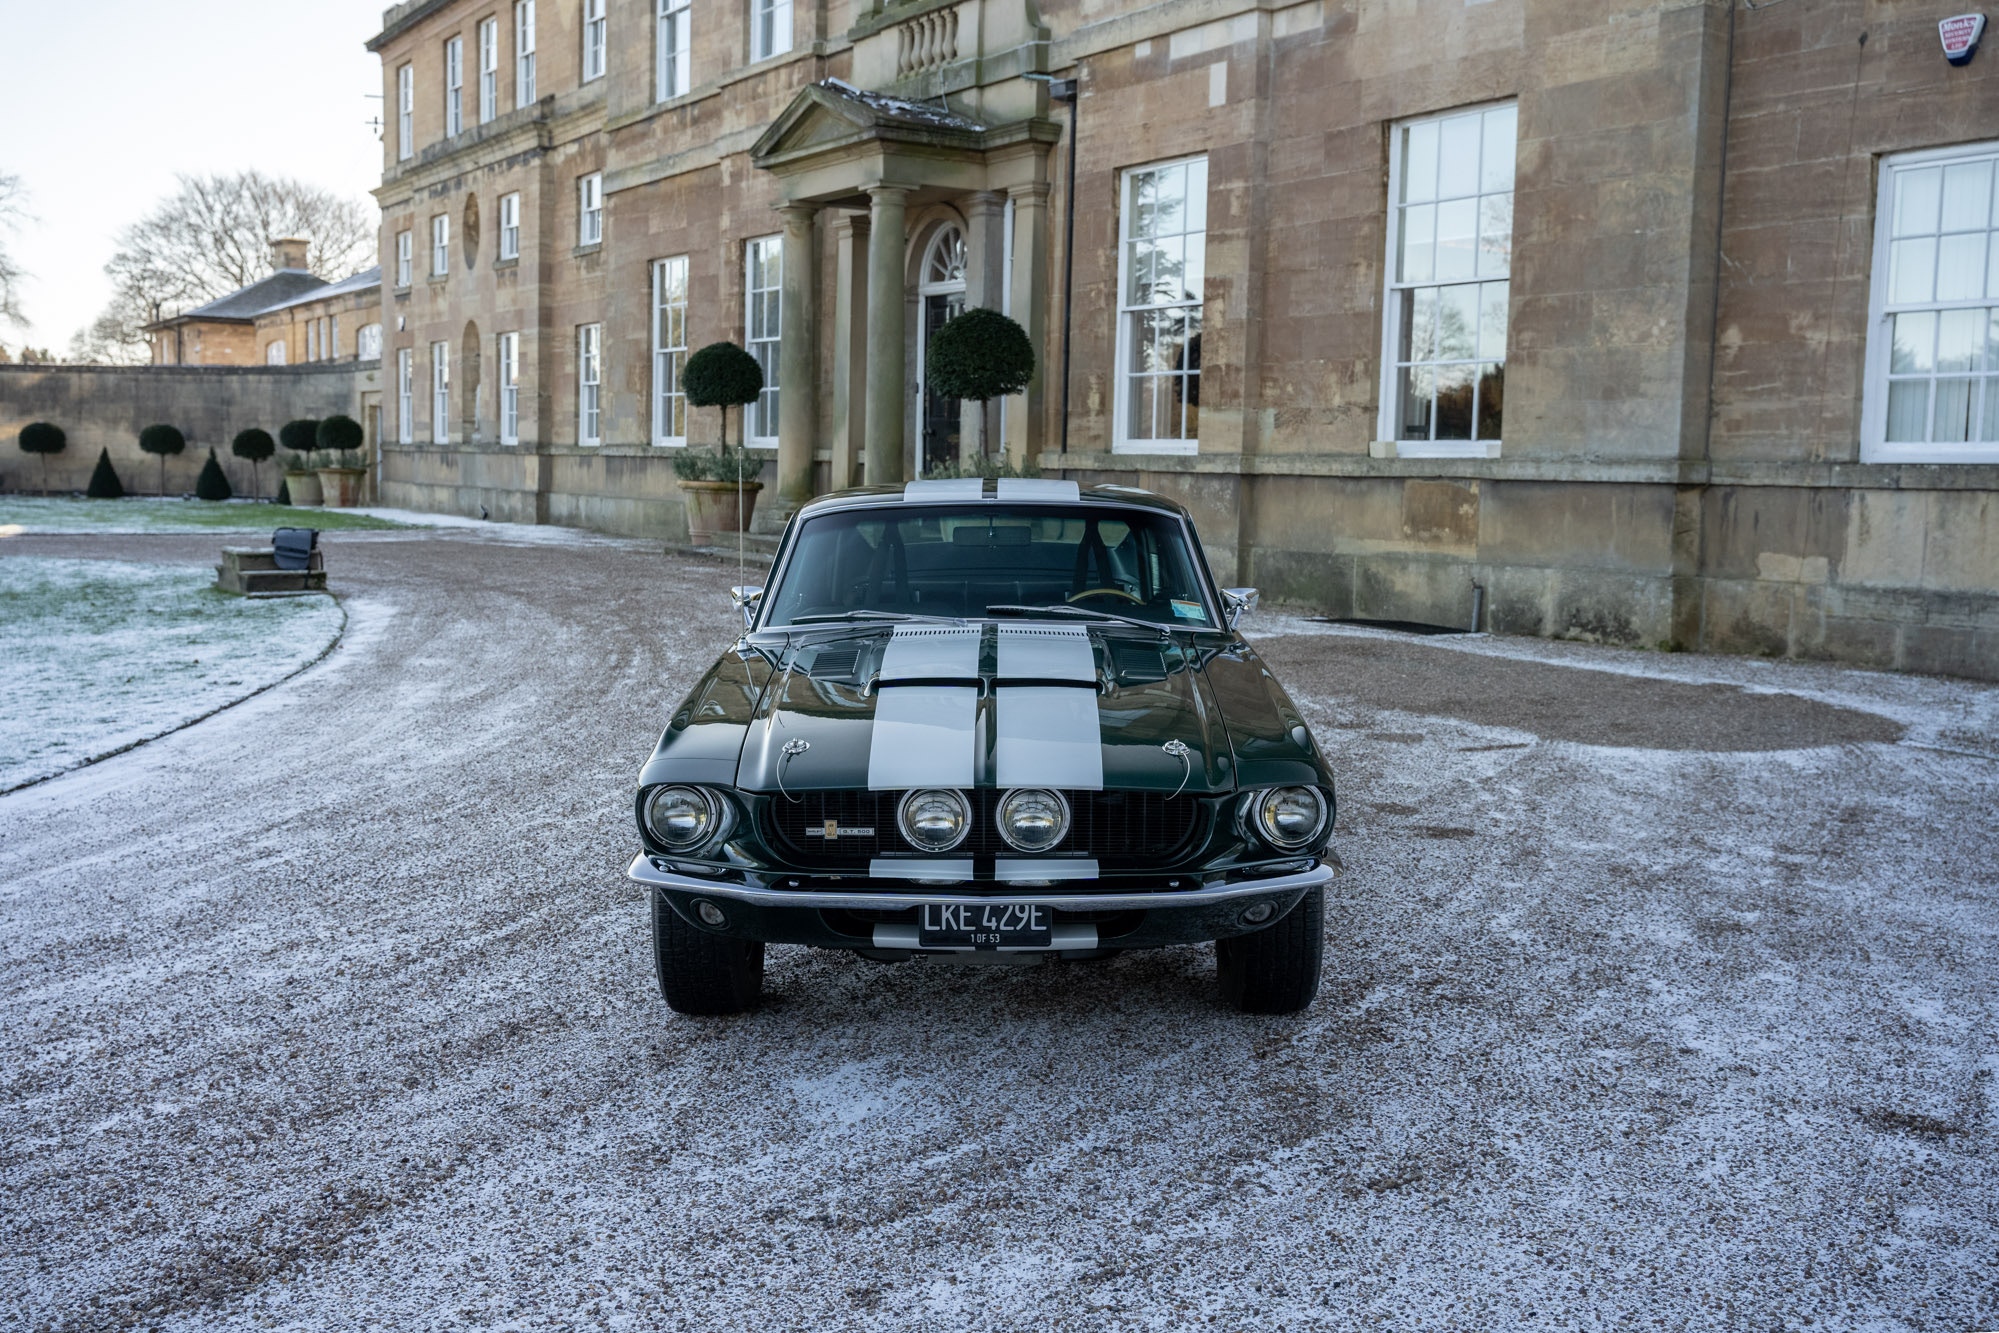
[(944, 269)]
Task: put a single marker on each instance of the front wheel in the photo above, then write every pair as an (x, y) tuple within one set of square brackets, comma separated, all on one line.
[(700, 973), (1276, 970)]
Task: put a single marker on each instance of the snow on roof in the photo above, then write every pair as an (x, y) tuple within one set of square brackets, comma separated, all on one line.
[(899, 109)]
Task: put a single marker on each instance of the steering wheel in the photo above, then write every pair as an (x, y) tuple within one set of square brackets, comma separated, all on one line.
[(1106, 592)]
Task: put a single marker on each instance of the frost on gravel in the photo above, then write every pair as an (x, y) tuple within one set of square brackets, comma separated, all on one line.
[(104, 654)]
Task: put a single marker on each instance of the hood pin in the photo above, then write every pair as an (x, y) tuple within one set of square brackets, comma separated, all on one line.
[(794, 747), (1178, 749)]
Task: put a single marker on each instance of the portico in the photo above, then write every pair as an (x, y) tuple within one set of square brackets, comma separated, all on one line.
[(932, 210)]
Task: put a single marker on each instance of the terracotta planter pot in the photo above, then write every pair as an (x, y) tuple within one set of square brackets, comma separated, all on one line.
[(340, 487), (711, 509), (303, 487)]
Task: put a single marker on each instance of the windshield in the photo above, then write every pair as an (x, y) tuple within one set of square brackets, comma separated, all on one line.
[(945, 560)]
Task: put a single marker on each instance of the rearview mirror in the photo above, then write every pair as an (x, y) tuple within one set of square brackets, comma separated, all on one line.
[(1239, 602), (746, 599)]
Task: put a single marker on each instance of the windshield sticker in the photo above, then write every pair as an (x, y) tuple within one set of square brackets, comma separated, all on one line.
[(1188, 610)]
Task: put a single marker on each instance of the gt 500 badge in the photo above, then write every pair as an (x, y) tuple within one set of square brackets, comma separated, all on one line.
[(832, 830)]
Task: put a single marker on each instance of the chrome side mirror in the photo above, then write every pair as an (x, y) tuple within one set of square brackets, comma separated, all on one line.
[(1239, 602), (746, 599)]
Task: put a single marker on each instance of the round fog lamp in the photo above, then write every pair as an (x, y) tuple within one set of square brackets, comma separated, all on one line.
[(1257, 914), (680, 817), (1290, 817), (934, 820), (1033, 819), (710, 914)]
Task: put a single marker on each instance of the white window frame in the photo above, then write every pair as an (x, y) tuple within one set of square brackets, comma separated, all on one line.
[(510, 388), (590, 209), (312, 340), (1122, 441), (1881, 311), (510, 225), (454, 87), (405, 395), (771, 38), (440, 245), (368, 343), (673, 53), (1388, 424), (440, 393), (405, 257), (333, 337), (405, 112), (761, 339), (590, 384), (523, 53), (489, 69), (596, 27), (669, 350)]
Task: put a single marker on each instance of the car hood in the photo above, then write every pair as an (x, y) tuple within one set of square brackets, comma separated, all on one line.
[(1058, 705)]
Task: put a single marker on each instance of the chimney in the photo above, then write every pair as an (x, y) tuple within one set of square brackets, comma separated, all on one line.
[(289, 253)]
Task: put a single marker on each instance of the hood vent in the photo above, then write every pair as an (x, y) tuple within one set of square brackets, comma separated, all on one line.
[(1137, 663), (835, 664)]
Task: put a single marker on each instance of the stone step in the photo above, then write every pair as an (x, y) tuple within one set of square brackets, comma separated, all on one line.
[(267, 582), (249, 557)]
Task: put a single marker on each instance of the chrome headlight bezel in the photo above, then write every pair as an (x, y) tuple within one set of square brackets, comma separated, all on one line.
[(907, 811), (1064, 822), (1263, 810), (717, 816)]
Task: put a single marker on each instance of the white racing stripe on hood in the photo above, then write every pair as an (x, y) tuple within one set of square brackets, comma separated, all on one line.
[(926, 735), (1052, 652), (1048, 736)]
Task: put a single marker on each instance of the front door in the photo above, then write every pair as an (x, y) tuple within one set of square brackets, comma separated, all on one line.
[(943, 293)]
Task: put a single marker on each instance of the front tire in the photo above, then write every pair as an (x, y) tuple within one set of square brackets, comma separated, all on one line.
[(1276, 969), (700, 973)]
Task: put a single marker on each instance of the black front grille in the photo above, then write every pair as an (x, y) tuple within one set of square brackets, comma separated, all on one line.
[(1119, 828)]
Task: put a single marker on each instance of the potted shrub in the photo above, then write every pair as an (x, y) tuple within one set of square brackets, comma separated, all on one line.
[(977, 357), (213, 483), (44, 438), (300, 438), (104, 483), (721, 488), (340, 484), (162, 442), (254, 446)]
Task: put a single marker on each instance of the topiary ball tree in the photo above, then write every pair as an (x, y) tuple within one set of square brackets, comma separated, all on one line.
[(300, 437), (104, 483), (981, 355), (163, 441), (213, 483), (722, 375), (340, 433), (255, 445), (44, 438)]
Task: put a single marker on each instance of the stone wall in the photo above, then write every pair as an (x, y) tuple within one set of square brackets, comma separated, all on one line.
[(107, 406)]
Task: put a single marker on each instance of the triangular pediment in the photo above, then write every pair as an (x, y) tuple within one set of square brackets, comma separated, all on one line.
[(833, 112)]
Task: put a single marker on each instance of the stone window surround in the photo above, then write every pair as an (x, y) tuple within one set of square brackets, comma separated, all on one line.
[(672, 19), (405, 259), (589, 210), (509, 366), (524, 48), (596, 43), (489, 68), (405, 111), (509, 249), (440, 245), (1874, 446), (782, 34), (675, 267), (589, 384), (454, 86)]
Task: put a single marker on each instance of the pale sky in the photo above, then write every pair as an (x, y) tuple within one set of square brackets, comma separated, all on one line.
[(103, 101)]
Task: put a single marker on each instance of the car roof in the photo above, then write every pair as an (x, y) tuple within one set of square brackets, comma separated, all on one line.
[(1031, 490)]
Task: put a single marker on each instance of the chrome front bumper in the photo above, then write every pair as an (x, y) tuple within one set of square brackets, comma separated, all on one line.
[(646, 870)]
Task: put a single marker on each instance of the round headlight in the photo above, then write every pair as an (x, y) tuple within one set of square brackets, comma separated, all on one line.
[(1290, 817), (934, 820), (1033, 819), (682, 817)]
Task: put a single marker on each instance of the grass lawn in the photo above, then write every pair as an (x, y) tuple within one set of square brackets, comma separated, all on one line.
[(102, 654), (28, 513)]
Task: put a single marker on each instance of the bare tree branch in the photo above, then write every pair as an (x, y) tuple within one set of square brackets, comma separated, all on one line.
[(12, 210), (209, 238)]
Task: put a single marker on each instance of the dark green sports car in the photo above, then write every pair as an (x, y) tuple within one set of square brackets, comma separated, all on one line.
[(989, 721)]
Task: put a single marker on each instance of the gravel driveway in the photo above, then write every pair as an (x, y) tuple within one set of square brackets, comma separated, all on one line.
[(1660, 994)]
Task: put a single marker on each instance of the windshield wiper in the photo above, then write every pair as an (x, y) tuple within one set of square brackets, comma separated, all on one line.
[(868, 613), (1083, 612)]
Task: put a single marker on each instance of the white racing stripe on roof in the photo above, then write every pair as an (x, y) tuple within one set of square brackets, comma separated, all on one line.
[(1047, 736), (1046, 652), (954, 488), (1038, 488)]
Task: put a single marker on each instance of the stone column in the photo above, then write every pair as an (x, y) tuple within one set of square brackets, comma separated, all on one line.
[(885, 335), (985, 269), (850, 351), (797, 358), (1031, 297)]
